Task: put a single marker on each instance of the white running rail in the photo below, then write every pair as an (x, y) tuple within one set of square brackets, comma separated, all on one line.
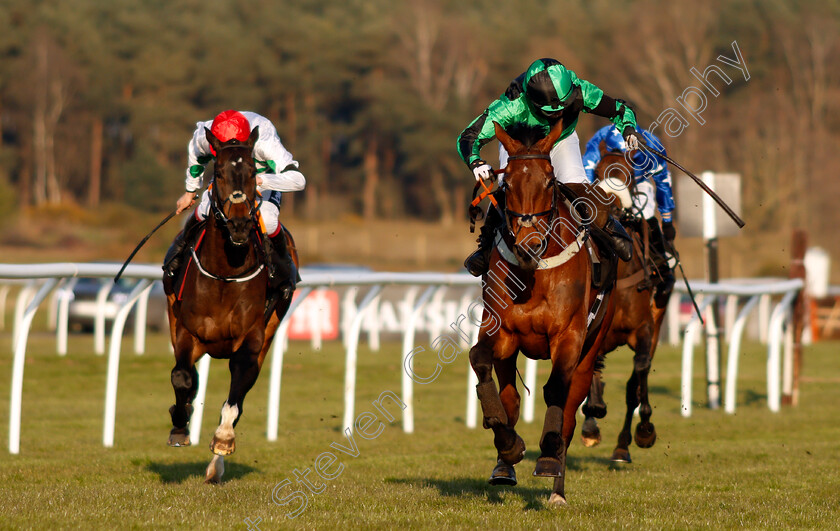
[(40, 279)]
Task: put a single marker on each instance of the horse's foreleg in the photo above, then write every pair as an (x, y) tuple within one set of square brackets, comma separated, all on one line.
[(244, 370), (552, 460), (510, 446), (184, 379), (504, 473)]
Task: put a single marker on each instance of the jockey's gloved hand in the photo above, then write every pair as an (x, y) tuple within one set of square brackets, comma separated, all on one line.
[(631, 138), (481, 170), (669, 231)]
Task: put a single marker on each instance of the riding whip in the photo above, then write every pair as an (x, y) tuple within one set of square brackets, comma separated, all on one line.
[(142, 242), (685, 280), (738, 221)]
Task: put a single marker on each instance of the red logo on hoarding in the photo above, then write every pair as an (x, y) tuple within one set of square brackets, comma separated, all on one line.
[(318, 313)]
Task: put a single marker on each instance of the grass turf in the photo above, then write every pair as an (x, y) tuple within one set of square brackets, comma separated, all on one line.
[(754, 469)]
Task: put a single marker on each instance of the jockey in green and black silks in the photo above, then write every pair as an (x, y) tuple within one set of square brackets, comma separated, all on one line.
[(541, 96)]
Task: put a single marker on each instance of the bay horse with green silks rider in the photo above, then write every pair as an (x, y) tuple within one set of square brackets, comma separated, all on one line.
[(539, 300)]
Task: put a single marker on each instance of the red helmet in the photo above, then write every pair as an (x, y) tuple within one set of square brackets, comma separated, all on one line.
[(230, 124)]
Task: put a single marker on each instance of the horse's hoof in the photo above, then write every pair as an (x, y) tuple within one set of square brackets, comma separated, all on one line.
[(590, 441), (597, 411), (515, 453), (503, 474), (548, 467), (645, 437), (215, 470), (620, 455), (179, 437), (555, 500), (590, 433), (222, 448)]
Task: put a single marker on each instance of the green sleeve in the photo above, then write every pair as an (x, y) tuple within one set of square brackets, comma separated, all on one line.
[(591, 93), (598, 103), (482, 130)]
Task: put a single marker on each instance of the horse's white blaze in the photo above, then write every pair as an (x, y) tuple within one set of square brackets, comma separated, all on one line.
[(225, 430)]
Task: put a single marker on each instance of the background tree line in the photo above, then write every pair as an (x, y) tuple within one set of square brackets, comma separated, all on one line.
[(98, 99)]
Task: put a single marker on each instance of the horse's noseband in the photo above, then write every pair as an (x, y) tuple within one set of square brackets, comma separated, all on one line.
[(237, 197)]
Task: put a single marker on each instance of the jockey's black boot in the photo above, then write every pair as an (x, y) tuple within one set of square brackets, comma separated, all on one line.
[(282, 273), (657, 242), (616, 236), (478, 263), (175, 255), (621, 241)]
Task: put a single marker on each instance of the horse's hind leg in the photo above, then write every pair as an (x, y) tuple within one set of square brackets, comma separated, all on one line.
[(510, 446), (645, 432), (636, 393), (184, 379), (504, 473), (593, 408), (244, 370)]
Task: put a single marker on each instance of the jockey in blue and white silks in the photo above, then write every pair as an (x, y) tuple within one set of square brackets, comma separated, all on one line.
[(648, 196), (647, 167)]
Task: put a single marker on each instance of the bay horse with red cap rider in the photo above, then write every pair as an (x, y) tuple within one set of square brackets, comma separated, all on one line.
[(277, 172)]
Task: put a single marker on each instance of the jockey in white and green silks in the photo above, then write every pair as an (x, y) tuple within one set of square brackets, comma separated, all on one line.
[(540, 97), (277, 172)]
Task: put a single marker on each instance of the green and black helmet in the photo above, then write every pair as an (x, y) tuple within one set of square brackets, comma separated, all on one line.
[(549, 87)]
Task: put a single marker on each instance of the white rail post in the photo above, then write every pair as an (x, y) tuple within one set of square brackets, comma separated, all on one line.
[(735, 333), (691, 330), (21, 336), (472, 382), (99, 318), (407, 365), (787, 373), (140, 318), (531, 382), (23, 299), (673, 316), (374, 324), (114, 360), (4, 292), (277, 353), (352, 357), (62, 320), (200, 396), (777, 319)]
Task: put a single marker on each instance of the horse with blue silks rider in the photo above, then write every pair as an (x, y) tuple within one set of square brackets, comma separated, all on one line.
[(648, 197)]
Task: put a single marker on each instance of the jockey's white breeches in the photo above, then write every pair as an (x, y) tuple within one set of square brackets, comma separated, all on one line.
[(644, 198), (565, 159), (268, 212)]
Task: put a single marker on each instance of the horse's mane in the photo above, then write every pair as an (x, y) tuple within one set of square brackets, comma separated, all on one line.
[(528, 135)]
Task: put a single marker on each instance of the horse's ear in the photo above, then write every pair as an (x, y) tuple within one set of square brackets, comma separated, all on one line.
[(602, 147), (211, 138), (509, 143), (545, 145), (252, 138)]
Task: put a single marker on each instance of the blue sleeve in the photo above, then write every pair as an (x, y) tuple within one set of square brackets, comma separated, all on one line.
[(661, 178), (592, 155)]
